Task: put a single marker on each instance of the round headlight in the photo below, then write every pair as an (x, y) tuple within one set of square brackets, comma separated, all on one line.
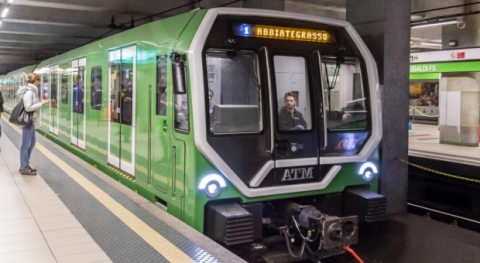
[(367, 171), (212, 189), (212, 184), (368, 175)]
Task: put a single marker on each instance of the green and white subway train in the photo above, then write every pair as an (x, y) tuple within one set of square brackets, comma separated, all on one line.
[(258, 128)]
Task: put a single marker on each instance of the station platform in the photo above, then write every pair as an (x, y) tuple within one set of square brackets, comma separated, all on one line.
[(424, 141), (71, 212)]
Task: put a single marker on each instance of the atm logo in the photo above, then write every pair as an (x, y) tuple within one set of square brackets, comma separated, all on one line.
[(295, 174), (348, 144)]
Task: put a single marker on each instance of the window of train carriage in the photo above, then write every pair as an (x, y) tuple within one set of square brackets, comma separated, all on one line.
[(293, 95), (234, 103), (161, 91), (96, 88), (64, 88), (346, 101)]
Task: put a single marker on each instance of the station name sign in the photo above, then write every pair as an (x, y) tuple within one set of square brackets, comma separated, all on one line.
[(283, 33)]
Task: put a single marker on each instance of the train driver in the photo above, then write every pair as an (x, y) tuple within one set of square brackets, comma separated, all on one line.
[(288, 117)]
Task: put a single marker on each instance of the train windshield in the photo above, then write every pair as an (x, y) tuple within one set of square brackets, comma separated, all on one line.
[(345, 98), (234, 96)]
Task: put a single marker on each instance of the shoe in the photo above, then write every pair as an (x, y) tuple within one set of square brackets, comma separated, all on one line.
[(27, 171), (30, 167)]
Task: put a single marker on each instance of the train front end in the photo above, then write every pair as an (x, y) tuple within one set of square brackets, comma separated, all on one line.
[(287, 121)]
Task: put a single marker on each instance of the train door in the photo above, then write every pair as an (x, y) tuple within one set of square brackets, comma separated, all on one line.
[(78, 117), (296, 136), (238, 112), (121, 125), (54, 107), (160, 132)]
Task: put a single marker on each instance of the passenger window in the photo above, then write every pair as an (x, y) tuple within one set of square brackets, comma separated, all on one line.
[(345, 100), (64, 89), (293, 96), (96, 88), (161, 91), (234, 103)]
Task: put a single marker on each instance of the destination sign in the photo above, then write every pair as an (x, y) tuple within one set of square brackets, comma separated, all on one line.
[(283, 33)]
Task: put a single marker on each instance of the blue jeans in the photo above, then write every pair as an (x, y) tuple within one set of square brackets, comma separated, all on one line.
[(28, 142)]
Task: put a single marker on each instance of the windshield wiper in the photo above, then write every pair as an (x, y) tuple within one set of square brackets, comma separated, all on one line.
[(231, 43)]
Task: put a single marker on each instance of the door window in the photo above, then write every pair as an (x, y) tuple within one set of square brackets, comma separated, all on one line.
[(65, 88), (78, 89), (293, 96), (181, 112), (96, 86), (345, 99), (161, 91), (234, 103), (45, 87), (54, 86)]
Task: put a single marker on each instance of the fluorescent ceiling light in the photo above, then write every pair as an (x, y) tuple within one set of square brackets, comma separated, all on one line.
[(431, 44), (10, 1), (438, 23), (5, 12)]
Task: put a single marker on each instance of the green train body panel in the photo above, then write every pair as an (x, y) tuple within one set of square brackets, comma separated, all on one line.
[(176, 166)]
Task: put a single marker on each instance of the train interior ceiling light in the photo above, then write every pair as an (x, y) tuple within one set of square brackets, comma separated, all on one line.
[(435, 23)]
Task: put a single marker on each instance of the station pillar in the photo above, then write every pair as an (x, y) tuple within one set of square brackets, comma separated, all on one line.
[(459, 100), (265, 4), (384, 26), (459, 104)]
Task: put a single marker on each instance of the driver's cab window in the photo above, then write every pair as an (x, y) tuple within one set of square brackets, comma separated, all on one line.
[(293, 96), (344, 95), (234, 101)]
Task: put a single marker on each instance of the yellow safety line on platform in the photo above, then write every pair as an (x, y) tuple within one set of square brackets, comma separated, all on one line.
[(154, 239), (441, 173), (420, 153), (421, 113)]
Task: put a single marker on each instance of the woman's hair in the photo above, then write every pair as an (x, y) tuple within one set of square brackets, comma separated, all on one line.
[(32, 77)]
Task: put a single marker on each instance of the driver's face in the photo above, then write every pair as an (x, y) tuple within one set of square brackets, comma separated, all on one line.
[(290, 102)]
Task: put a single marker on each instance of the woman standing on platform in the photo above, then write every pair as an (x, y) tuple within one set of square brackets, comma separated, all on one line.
[(31, 102)]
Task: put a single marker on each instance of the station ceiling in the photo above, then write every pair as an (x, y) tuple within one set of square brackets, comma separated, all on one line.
[(34, 30)]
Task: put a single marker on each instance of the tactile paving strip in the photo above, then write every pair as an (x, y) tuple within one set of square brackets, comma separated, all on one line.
[(117, 240)]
